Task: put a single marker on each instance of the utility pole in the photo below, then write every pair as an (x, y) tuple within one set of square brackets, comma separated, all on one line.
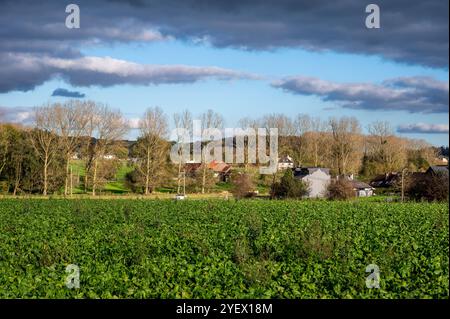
[(403, 184), (184, 183)]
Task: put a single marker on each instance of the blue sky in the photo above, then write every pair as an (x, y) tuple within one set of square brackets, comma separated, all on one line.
[(239, 97)]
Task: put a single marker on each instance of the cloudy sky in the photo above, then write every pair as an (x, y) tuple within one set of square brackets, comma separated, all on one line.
[(240, 58)]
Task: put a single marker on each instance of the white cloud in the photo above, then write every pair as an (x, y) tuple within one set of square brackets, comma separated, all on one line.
[(413, 94), (423, 128), (27, 71)]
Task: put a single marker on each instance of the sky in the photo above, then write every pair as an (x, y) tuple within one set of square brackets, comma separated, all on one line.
[(239, 58)]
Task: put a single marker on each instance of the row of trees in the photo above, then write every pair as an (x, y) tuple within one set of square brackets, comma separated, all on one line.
[(339, 144), (38, 158)]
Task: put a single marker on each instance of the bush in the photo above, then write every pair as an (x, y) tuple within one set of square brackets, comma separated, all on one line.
[(429, 188), (340, 189), (242, 186), (289, 187)]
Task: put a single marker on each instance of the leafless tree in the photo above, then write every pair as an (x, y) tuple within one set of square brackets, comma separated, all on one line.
[(71, 118), (389, 150), (44, 139), (346, 134), (209, 120), (151, 147), (108, 127), (182, 120)]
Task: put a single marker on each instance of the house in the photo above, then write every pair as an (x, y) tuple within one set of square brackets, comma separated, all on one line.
[(221, 170), (362, 189), (285, 162), (317, 178), (437, 170), (109, 156), (442, 160), (191, 169), (386, 180)]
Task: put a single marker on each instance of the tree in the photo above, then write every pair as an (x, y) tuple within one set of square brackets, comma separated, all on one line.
[(346, 144), (150, 148), (107, 127), (182, 120), (385, 151), (289, 187), (429, 187), (44, 140), (71, 119), (210, 120), (340, 189)]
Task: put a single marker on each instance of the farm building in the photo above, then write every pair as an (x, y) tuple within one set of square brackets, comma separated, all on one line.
[(317, 178), (285, 162), (386, 180), (437, 170), (362, 189), (221, 170)]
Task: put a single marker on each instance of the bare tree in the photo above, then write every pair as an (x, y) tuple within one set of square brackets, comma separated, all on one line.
[(44, 139), (210, 120), (108, 127), (151, 147), (388, 150), (71, 120), (182, 120), (346, 143), (4, 147)]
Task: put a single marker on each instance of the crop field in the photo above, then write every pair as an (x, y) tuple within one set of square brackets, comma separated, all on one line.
[(222, 249)]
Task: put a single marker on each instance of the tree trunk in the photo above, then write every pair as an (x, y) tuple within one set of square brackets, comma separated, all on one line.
[(94, 178), (45, 175), (179, 177), (204, 178), (147, 172), (66, 182)]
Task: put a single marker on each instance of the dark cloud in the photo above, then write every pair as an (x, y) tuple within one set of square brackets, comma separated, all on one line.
[(412, 94), (415, 33), (20, 115), (67, 93), (423, 128)]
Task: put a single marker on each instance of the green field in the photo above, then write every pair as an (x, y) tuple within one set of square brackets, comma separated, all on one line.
[(222, 249)]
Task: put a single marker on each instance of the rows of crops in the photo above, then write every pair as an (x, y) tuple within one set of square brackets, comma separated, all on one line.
[(222, 249)]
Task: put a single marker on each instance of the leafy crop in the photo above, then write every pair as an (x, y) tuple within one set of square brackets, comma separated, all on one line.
[(222, 249)]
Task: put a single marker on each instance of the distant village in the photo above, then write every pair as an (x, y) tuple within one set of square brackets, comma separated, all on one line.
[(79, 148)]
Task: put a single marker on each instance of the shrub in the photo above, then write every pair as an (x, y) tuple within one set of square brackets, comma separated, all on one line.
[(289, 187), (428, 187), (242, 186), (340, 189)]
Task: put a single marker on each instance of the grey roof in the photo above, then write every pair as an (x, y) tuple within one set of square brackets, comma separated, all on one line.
[(304, 171), (360, 185), (438, 169)]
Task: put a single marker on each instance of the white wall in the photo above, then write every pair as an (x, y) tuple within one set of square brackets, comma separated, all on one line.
[(318, 183)]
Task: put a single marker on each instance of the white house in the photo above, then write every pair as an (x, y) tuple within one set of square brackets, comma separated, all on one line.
[(317, 178), (109, 156), (285, 162), (362, 189)]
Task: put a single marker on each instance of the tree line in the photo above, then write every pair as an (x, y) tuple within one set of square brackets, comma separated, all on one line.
[(37, 158)]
